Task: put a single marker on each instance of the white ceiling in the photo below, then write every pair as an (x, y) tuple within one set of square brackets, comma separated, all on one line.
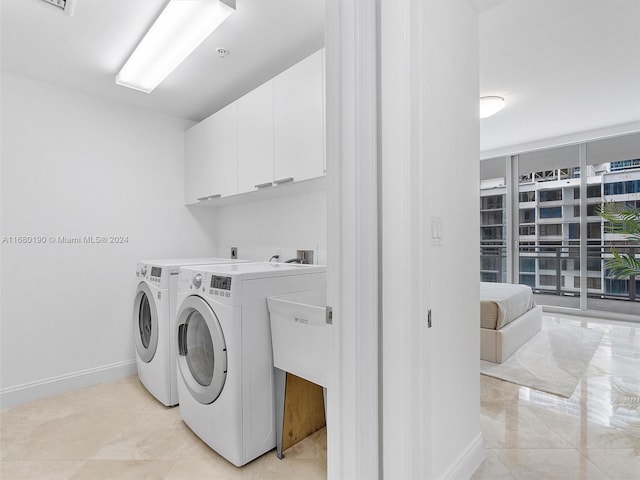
[(85, 51), (563, 66)]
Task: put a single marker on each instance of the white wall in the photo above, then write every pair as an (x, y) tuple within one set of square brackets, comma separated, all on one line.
[(288, 223), (74, 164), (452, 144), (430, 174)]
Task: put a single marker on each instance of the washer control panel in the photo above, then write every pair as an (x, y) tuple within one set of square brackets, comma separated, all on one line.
[(151, 274)]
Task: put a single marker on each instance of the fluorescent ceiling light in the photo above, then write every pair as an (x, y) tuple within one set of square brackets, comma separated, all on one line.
[(490, 106), (180, 28)]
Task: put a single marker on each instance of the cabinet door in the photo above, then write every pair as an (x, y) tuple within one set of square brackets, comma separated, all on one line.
[(198, 159), (298, 120), (255, 138), (224, 143)]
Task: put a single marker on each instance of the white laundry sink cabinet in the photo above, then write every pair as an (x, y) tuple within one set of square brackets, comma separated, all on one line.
[(300, 336)]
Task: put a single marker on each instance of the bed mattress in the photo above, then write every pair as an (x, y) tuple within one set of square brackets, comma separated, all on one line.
[(501, 303)]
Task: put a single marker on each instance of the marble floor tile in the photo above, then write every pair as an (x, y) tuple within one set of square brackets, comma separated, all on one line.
[(196, 449), (77, 436), (49, 409), (294, 468), (619, 362), (516, 427), (34, 470), (619, 464), (493, 390), (545, 464), (202, 462), (15, 433), (582, 433), (153, 436), (123, 470), (127, 394), (492, 468)]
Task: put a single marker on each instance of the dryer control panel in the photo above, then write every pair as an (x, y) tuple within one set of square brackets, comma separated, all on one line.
[(221, 283), (220, 286), (216, 286)]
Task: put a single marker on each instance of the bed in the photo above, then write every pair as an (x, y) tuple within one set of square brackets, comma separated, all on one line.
[(508, 319)]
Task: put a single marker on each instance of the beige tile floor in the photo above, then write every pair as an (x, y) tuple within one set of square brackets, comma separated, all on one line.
[(118, 431)]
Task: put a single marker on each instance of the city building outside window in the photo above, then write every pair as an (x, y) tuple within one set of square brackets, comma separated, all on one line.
[(548, 250)]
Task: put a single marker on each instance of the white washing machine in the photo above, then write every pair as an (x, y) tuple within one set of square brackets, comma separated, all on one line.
[(225, 360), (154, 311)]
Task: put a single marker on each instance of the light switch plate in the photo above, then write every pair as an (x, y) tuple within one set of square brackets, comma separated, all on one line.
[(436, 231)]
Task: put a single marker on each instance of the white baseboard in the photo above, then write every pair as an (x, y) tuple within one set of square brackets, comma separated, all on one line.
[(467, 463), (28, 392)]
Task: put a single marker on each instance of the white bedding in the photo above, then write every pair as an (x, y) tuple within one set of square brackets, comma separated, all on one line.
[(501, 303)]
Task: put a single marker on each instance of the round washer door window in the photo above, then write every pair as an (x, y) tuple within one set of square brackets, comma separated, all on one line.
[(199, 352), (145, 323), (202, 351)]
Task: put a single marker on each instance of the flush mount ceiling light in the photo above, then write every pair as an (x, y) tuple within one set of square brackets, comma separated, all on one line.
[(180, 28), (490, 105)]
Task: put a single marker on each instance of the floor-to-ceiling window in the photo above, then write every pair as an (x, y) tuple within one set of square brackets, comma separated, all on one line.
[(614, 165), (540, 224), (493, 221), (548, 246)]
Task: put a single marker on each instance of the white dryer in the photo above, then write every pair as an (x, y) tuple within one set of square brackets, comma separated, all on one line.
[(154, 309), (225, 360)]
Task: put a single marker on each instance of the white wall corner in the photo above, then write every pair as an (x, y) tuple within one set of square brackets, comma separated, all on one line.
[(48, 387)]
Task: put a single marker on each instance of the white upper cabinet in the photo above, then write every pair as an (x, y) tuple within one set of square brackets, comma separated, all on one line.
[(298, 112), (211, 157), (255, 139), (224, 138), (198, 161), (271, 136)]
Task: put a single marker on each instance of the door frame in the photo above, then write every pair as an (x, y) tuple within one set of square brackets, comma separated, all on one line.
[(351, 43)]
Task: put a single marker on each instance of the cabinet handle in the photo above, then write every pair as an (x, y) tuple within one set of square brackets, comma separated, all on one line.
[(217, 195), (200, 199), (263, 185), (283, 180)]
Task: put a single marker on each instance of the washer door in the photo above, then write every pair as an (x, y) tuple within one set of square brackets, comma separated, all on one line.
[(202, 351), (145, 323)]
